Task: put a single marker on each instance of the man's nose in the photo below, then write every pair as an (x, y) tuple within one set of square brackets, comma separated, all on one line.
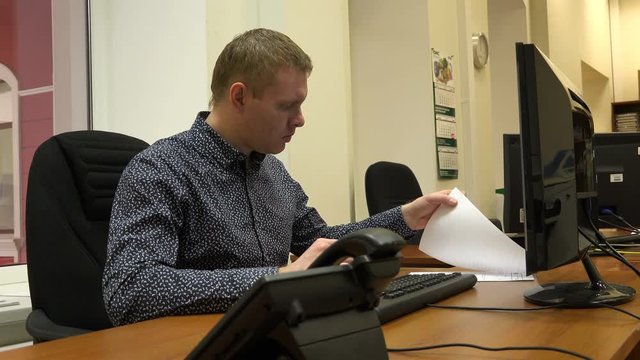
[(298, 120)]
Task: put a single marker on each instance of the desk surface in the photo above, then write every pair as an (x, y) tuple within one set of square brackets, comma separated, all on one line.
[(413, 257), (599, 333)]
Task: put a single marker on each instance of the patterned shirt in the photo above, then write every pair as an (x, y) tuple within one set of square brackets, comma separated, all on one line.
[(195, 223)]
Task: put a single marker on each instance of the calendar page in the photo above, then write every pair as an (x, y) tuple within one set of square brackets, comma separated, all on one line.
[(444, 99)]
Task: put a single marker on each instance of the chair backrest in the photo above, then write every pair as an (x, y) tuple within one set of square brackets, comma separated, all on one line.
[(389, 184), (72, 182)]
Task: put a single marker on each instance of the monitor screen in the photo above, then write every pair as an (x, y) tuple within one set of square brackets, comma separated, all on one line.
[(556, 136), (617, 159)]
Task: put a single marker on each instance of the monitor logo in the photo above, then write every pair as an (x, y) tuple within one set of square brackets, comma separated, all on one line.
[(616, 178), (522, 215)]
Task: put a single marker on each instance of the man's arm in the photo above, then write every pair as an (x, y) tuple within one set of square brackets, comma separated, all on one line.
[(309, 225), (404, 220)]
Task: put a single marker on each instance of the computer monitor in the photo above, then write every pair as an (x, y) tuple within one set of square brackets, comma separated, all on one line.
[(556, 136), (513, 215), (618, 171)]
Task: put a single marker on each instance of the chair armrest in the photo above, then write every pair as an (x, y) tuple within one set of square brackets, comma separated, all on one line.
[(41, 328)]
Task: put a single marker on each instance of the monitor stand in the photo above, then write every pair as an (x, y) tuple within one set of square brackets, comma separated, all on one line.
[(581, 294)]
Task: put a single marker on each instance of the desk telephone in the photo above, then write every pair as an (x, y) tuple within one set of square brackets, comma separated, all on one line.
[(375, 243), (325, 312)]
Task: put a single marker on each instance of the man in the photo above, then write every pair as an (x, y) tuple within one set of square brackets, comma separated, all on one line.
[(200, 216)]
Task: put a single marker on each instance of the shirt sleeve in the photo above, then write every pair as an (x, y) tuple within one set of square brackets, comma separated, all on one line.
[(309, 225), (142, 277)]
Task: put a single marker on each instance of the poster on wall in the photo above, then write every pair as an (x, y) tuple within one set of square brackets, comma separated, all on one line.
[(445, 115)]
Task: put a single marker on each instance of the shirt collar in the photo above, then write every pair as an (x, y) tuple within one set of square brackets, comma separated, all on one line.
[(212, 145)]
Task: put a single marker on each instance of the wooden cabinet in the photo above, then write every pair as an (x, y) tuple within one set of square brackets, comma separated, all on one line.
[(625, 116)]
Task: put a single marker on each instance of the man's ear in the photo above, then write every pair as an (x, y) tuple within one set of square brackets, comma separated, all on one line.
[(238, 93)]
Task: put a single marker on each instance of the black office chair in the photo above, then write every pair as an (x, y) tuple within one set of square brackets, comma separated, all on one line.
[(72, 182), (387, 185)]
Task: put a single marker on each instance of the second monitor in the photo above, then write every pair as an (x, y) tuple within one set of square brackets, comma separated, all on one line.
[(617, 166), (618, 170)]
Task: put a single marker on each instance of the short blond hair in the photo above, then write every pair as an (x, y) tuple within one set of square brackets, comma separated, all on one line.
[(254, 58)]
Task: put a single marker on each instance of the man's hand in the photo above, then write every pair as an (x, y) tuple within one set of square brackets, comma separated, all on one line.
[(303, 262), (418, 212)]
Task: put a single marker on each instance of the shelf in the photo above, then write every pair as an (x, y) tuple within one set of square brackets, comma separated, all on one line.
[(625, 116)]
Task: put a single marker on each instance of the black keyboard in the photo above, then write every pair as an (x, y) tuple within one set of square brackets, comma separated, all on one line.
[(409, 293)]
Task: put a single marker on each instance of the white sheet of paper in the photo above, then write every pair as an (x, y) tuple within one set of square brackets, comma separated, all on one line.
[(462, 236), (488, 277)]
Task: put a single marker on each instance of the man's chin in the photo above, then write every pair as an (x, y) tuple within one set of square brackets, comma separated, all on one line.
[(276, 151)]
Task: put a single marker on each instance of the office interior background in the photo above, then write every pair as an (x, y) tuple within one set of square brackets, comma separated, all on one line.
[(146, 68)]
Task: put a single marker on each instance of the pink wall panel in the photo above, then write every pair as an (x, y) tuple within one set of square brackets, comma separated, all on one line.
[(27, 157), (34, 38), (36, 126), (8, 34), (36, 106), (26, 48), (34, 133)]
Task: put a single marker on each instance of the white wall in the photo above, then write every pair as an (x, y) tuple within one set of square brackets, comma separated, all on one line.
[(9, 167), (538, 24), (444, 33), (597, 92), (224, 20), (149, 66), (507, 25), (392, 92), (5, 103), (596, 29), (6, 179), (579, 33), (479, 140), (596, 69), (320, 156), (70, 65), (393, 97), (629, 31)]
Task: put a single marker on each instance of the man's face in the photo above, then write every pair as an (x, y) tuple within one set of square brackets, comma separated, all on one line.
[(272, 118)]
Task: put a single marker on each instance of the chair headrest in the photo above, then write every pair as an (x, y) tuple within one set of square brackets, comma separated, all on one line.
[(96, 160)]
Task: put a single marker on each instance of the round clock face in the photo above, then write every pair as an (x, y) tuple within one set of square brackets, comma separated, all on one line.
[(480, 50)]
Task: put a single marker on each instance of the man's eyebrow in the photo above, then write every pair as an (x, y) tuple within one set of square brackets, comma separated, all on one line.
[(298, 100)]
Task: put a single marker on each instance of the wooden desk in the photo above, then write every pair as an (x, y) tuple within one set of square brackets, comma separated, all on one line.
[(610, 232), (413, 257), (599, 333)]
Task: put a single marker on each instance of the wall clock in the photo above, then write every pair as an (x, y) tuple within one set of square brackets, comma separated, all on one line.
[(480, 50)]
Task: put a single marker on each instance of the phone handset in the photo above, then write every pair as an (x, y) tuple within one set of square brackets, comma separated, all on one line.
[(376, 243)]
